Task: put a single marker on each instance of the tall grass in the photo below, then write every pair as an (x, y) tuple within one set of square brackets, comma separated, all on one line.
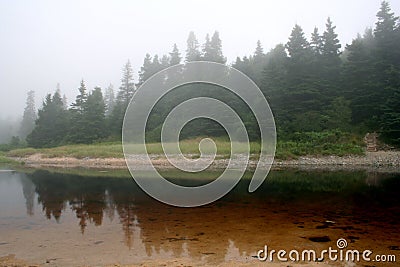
[(5, 160), (100, 150), (325, 143), (114, 150)]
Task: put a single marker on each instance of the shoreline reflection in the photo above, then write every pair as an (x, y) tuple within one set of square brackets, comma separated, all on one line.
[(289, 208)]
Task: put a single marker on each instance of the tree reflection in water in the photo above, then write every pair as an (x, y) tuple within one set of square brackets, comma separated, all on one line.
[(287, 208)]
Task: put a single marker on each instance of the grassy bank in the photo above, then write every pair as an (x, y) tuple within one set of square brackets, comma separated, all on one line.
[(4, 159), (114, 149), (329, 143), (100, 150)]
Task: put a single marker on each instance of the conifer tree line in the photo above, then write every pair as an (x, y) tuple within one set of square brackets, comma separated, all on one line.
[(312, 85)]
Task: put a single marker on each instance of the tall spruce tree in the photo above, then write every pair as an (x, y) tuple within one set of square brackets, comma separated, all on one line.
[(165, 61), (212, 49), (29, 117), (387, 71), (207, 53), (274, 84), (94, 116), (175, 56), (390, 119), (127, 87), (51, 126), (109, 99), (259, 52), (385, 33), (78, 123), (316, 42), (303, 98), (125, 93), (359, 80), (331, 62), (145, 70), (156, 65), (330, 43), (300, 56), (216, 49), (192, 50), (80, 98), (297, 46)]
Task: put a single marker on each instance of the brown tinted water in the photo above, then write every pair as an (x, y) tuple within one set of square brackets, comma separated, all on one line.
[(55, 219)]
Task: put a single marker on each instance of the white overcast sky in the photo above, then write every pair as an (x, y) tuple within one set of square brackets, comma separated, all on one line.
[(48, 42)]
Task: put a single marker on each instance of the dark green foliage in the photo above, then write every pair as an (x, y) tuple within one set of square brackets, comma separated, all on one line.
[(127, 87), (87, 117), (339, 114), (329, 66), (313, 86), (81, 98), (253, 65), (298, 46), (259, 53), (330, 43), (145, 71), (125, 93), (94, 116), (77, 133), (212, 49), (390, 121), (372, 76), (51, 126), (291, 83), (385, 30), (197, 127), (316, 42), (323, 143), (359, 80)]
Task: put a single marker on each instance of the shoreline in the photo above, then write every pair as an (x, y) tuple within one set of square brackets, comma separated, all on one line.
[(380, 160)]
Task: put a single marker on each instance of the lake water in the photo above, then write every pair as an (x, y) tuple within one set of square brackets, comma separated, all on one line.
[(71, 220)]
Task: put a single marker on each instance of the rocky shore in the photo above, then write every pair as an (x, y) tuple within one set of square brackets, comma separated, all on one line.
[(375, 160)]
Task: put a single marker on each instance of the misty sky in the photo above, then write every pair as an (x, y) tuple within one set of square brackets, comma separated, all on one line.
[(48, 42)]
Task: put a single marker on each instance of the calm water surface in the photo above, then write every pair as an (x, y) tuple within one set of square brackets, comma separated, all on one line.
[(70, 220)]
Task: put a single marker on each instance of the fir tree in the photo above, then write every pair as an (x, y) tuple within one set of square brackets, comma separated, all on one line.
[(80, 98), (165, 61), (29, 117), (330, 42), (51, 127), (212, 49), (78, 124), (192, 50), (258, 53), (207, 50), (316, 42), (175, 56), (109, 99), (94, 116), (297, 46), (145, 70), (330, 65), (127, 87)]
